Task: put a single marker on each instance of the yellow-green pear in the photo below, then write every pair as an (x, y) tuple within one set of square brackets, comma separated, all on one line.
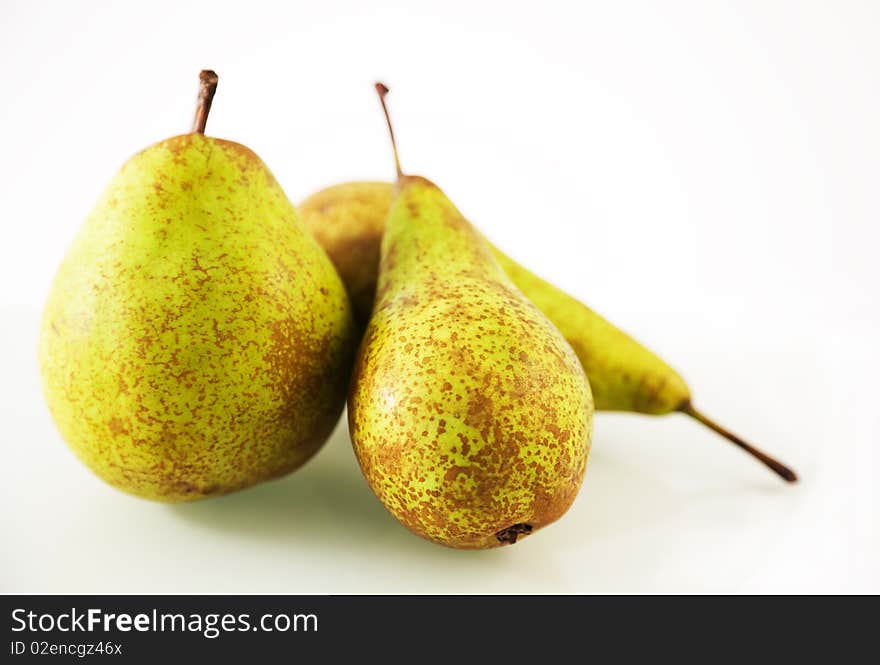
[(348, 220), (469, 412), (196, 339)]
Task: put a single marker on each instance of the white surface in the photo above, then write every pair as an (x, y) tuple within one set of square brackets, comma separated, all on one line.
[(704, 174)]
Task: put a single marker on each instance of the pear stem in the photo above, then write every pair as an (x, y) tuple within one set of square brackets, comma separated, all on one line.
[(207, 87), (775, 465), (382, 89)]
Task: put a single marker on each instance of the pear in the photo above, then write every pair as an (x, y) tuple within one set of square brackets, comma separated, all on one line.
[(348, 220), (469, 412), (196, 339)]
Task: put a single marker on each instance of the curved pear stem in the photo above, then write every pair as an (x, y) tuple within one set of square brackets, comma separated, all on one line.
[(382, 89), (775, 465), (207, 87)]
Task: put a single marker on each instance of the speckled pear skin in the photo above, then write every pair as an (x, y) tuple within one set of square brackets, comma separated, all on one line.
[(196, 340), (469, 413), (347, 220), (624, 375)]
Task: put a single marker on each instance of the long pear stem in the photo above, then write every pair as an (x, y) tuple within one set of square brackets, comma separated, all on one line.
[(207, 87), (778, 467), (382, 89)]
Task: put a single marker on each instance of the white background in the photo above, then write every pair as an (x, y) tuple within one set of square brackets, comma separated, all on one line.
[(703, 173)]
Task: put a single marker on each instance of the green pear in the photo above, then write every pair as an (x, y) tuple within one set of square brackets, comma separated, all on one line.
[(196, 339), (348, 220), (469, 413)]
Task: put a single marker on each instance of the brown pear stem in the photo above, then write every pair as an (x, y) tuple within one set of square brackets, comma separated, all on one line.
[(382, 89), (778, 467), (207, 87)]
